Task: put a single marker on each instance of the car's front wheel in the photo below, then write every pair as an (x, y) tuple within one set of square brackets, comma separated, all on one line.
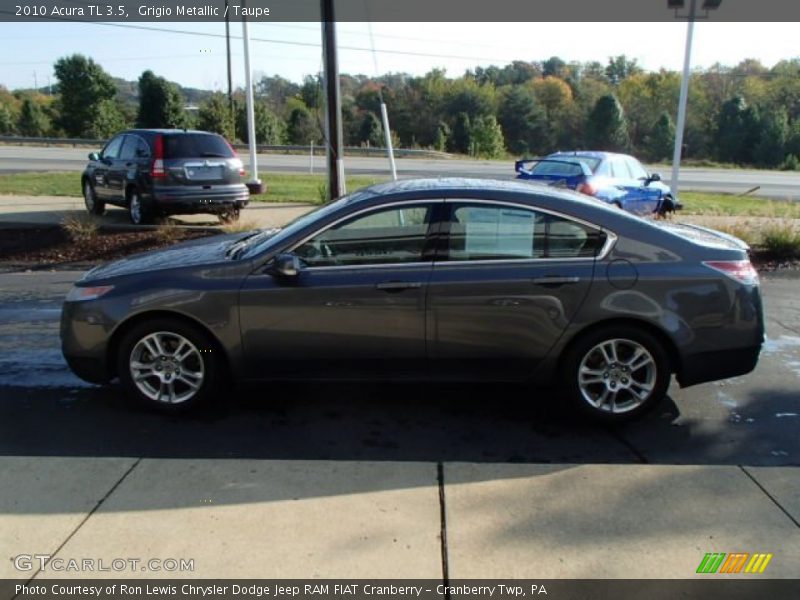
[(168, 365), (615, 374), (93, 205)]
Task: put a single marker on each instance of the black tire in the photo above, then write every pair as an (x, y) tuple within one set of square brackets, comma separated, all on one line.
[(139, 211), (230, 216), (620, 393), (93, 205), (617, 204), (666, 206), (170, 379)]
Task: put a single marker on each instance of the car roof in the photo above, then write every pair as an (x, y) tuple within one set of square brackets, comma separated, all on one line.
[(459, 185), (169, 131), (601, 155)]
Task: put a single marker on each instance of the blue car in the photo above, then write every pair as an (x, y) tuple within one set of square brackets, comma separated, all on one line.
[(618, 179)]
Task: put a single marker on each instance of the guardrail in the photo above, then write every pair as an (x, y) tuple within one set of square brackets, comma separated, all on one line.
[(260, 148)]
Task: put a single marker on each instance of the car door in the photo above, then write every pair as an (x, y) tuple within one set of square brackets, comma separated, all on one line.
[(356, 307), (511, 279), (649, 196), (103, 168), (119, 167)]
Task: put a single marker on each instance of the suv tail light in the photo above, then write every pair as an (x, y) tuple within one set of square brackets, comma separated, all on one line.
[(242, 172), (157, 168), (587, 188), (740, 270)]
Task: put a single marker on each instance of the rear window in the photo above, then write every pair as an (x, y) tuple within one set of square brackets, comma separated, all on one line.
[(568, 167), (196, 145)]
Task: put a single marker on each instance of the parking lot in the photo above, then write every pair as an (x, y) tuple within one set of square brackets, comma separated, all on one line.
[(713, 469)]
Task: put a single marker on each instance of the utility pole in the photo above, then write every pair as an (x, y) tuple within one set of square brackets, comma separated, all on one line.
[(679, 126), (333, 105)]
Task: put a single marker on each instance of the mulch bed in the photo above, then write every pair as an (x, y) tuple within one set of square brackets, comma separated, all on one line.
[(47, 246)]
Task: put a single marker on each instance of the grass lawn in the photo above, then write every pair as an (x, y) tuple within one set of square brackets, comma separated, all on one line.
[(301, 187)]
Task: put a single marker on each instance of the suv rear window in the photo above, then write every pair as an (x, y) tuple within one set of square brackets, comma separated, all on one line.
[(196, 145)]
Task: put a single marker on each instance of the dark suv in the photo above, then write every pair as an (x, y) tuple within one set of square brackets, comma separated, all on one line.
[(158, 172)]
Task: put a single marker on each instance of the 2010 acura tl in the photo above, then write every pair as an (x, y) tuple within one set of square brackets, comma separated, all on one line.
[(448, 279)]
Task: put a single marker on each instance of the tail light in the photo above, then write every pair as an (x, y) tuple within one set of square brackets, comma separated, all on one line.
[(242, 172), (587, 188), (739, 270), (157, 168)]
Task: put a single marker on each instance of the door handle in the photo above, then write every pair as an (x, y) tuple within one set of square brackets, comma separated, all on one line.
[(554, 280), (398, 286)]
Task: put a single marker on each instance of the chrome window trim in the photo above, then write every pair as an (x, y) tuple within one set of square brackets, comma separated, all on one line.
[(355, 214), (611, 237)]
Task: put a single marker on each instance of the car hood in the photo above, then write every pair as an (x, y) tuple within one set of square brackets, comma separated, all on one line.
[(195, 252)]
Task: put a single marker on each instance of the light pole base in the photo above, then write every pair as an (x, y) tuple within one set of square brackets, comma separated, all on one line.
[(256, 187)]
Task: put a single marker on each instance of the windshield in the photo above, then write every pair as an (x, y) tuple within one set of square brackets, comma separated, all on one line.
[(299, 224)]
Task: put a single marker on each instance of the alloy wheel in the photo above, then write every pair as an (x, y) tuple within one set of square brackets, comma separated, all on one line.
[(166, 367)]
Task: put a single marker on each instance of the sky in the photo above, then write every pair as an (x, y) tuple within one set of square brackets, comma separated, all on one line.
[(292, 50)]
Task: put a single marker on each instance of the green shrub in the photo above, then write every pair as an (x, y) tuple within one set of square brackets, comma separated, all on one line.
[(782, 241)]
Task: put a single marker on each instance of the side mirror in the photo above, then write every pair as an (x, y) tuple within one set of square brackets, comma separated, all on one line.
[(655, 177), (94, 156), (286, 265)]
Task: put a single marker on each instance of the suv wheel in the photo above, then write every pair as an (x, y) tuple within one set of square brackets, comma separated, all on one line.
[(168, 365), (93, 205), (229, 216), (138, 212), (616, 374)]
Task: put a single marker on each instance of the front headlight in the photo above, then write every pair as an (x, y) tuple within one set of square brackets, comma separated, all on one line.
[(81, 294)]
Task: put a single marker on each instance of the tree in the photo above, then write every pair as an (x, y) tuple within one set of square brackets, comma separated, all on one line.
[(302, 128), (269, 128), (661, 141), (106, 120), (737, 131), (215, 115), (522, 120), (32, 120), (83, 86), (370, 131), (620, 68), (160, 103), (770, 149), (442, 134), (6, 120), (554, 67), (486, 138), (460, 138), (606, 128)]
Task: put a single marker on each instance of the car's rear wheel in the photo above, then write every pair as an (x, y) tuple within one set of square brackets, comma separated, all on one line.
[(138, 211), (168, 365), (230, 216), (615, 374), (93, 205)]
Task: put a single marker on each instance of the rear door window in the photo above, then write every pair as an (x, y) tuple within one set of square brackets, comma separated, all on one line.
[(500, 232), (196, 145)]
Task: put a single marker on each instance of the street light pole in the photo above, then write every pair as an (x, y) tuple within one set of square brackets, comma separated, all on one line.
[(680, 125), (254, 185)]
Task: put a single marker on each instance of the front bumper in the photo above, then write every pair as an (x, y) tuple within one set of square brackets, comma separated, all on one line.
[(84, 338)]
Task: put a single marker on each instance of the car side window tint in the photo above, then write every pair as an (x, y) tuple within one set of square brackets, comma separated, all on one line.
[(113, 147), (499, 232), (603, 170), (636, 169), (384, 236), (128, 151), (619, 169)]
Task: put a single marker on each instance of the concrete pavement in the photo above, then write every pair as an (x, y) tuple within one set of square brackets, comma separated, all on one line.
[(344, 519)]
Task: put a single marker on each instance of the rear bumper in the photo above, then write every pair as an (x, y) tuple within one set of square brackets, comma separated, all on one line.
[(199, 200), (721, 364)]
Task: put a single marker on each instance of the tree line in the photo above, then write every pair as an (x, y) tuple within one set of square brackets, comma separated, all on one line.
[(748, 114)]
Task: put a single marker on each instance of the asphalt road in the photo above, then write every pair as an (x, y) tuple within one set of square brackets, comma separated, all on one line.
[(46, 411), (773, 184)]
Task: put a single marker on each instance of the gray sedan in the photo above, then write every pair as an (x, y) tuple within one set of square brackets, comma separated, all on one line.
[(448, 279)]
